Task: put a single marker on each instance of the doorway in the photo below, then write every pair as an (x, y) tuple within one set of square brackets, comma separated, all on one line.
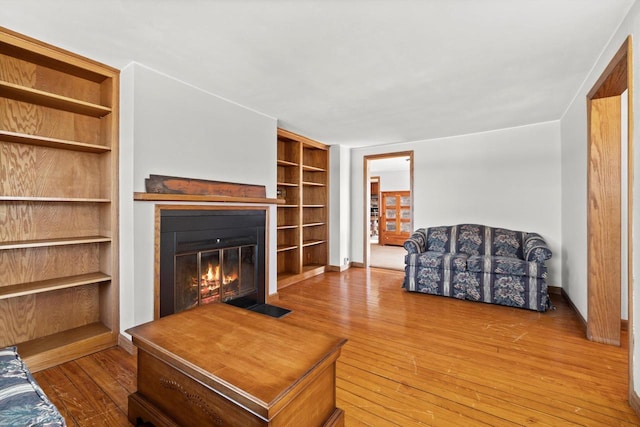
[(388, 178), (609, 206), (605, 199)]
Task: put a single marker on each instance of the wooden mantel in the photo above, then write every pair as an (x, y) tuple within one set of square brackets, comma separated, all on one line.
[(162, 188), (158, 197)]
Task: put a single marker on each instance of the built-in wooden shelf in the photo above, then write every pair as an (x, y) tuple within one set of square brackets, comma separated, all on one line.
[(282, 162), (47, 351), (161, 197), (313, 168), (46, 99), (43, 141), (52, 199), (60, 200), (286, 227), (23, 244), (307, 268), (52, 285), (313, 224), (302, 165)]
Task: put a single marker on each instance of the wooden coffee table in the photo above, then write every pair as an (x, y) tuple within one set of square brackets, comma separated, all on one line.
[(222, 365)]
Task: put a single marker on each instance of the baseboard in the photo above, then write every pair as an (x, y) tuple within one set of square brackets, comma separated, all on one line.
[(634, 402), (273, 297), (554, 290), (583, 321), (357, 264), (338, 268), (126, 344), (624, 324)]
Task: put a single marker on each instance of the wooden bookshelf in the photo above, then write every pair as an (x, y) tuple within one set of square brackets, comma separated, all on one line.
[(303, 213), (58, 201)]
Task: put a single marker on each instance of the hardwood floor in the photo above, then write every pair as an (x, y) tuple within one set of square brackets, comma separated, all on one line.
[(412, 359)]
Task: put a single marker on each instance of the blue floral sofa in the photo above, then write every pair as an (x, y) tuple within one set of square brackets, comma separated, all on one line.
[(22, 401), (479, 263)]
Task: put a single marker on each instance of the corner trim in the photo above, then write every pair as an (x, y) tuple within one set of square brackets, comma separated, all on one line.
[(126, 344)]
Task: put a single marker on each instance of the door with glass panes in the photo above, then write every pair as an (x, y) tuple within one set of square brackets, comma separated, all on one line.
[(395, 217)]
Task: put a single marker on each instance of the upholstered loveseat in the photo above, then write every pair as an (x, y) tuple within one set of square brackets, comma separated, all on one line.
[(479, 263), (22, 401)]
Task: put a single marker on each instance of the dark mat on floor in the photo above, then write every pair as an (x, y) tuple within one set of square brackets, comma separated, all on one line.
[(270, 310)]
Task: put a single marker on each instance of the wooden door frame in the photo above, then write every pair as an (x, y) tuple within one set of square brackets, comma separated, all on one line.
[(604, 203), (367, 195)]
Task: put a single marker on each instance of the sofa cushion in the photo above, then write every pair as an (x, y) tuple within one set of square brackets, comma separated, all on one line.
[(22, 401), (444, 261), (468, 239), (505, 265), (438, 239), (507, 243)]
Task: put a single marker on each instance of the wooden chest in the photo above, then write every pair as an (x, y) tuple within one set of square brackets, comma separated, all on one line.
[(222, 365)]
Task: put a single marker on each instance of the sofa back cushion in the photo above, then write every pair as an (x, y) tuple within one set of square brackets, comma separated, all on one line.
[(507, 243), (474, 239)]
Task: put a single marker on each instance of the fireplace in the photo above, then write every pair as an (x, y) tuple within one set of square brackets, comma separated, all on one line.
[(211, 256)]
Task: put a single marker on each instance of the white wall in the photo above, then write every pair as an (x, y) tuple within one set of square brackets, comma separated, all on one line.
[(508, 178), (339, 206), (394, 180), (172, 128), (574, 185)]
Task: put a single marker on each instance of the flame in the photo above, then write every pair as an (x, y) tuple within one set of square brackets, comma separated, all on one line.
[(211, 279), (211, 274)]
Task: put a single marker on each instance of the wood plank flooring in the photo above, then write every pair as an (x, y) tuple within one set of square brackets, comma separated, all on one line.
[(412, 360)]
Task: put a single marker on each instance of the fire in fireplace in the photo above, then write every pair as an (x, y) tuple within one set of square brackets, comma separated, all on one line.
[(217, 275), (209, 256)]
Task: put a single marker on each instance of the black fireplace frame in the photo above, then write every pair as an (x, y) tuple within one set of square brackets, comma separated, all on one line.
[(200, 228)]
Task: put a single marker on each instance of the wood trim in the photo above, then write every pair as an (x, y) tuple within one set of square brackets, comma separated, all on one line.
[(303, 139), (614, 79), (157, 197), (338, 268), (634, 402), (582, 320), (39, 51), (156, 245), (554, 290), (604, 198), (633, 397), (367, 197), (604, 213), (162, 184)]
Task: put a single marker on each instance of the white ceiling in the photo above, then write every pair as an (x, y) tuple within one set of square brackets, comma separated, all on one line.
[(350, 72)]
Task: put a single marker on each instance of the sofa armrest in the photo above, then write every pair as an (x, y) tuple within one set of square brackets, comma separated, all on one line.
[(417, 242), (535, 248)]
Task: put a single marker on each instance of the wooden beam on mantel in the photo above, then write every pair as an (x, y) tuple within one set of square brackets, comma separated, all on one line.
[(159, 197), (177, 189)]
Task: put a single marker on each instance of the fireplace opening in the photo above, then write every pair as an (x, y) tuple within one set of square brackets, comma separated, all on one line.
[(214, 275), (211, 256)]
